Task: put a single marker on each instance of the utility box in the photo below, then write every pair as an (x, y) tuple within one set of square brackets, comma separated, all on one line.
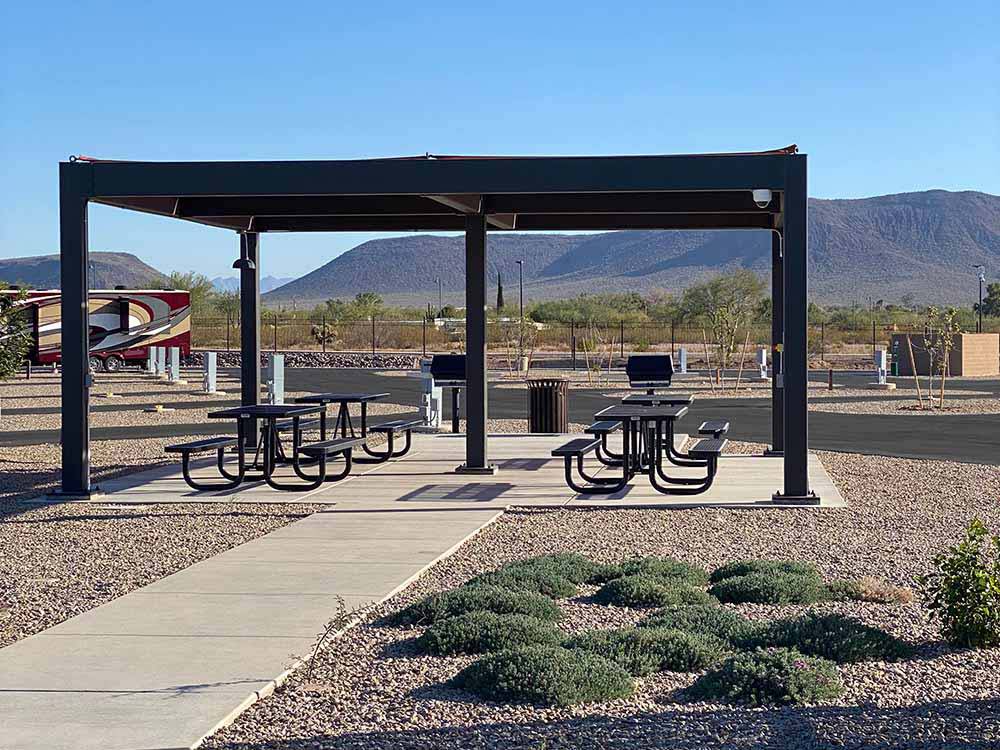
[(431, 404), (276, 379), (682, 356), (971, 354)]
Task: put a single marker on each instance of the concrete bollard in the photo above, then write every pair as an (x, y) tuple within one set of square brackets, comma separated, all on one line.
[(161, 362), (151, 360), (682, 360), (276, 378), (209, 379)]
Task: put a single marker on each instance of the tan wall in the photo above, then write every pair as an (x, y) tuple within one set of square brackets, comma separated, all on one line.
[(973, 354)]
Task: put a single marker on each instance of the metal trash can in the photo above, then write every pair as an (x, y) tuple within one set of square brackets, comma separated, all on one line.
[(548, 405)]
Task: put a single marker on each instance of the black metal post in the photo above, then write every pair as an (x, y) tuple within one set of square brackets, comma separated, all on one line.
[(228, 326), (476, 459), (572, 342), (777, 339), (250, 328), (671, 338), (621, 337), (274, 332), (795, 362), (373, 338), (423, 337), (323, 332), (75, 183)]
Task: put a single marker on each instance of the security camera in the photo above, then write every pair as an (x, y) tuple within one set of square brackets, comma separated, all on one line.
[(762, 198)]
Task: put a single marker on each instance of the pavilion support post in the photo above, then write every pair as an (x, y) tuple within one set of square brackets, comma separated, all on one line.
[(777, 337), (75, 185), (795, 359), (250, 326), (476, 458)]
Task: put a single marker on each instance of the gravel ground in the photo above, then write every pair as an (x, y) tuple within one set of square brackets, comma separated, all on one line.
[(372, 690)]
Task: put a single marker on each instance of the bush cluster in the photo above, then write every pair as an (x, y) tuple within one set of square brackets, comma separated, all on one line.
[(477, 598), (832, 636), (648, 591), (703, 619), (549, 675), (479, 632), (746, 567), (768, 676), (774, 587), (542, 582), (663, 568), (642, 651)]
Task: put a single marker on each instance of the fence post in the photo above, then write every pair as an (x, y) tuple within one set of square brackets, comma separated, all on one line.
[(373, 335), (822, 341), (227, 331), (274, 323), (873, 337), (671, 338), (322, 332), (621, 337), (423, 336)]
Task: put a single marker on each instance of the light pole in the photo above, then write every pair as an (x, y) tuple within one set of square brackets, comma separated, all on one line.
[(520, 285), (982, 280)]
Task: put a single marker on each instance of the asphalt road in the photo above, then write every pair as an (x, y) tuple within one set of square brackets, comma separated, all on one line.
[(970, 438)]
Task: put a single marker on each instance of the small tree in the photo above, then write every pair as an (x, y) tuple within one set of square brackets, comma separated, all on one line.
[(14, 334), (940, 327), (727, 304)]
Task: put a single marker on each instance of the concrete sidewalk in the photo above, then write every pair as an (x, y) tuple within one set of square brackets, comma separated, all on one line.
[(166, 665)]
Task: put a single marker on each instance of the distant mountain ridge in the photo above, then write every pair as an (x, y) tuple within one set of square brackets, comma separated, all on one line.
[(106, 271), (232, 283), (921, 244)]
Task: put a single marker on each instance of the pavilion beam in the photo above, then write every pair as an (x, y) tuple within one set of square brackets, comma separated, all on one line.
[(476, 456), (75, 181), (250, 326), (777, 335), (795, 364)]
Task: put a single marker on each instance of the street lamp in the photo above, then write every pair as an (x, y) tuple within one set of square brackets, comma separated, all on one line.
[(982, 280), (520, 284)]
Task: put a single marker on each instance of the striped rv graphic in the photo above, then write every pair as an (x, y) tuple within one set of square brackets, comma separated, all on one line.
[(123, 324)]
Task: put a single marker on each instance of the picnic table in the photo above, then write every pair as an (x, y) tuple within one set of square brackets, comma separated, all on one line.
[(344, 422)]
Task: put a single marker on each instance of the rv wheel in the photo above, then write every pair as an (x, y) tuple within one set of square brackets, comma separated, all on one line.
[(114, 363), (96, 364)]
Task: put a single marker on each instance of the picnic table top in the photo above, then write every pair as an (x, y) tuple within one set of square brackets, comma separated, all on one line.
[(634, 411), (656, 399), (343, 398), (265, 411)]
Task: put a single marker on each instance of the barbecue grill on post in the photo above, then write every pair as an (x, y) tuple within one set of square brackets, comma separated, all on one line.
[(448, 371), (650, 371)]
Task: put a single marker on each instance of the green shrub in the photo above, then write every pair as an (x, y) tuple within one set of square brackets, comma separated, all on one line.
[(646, 591), (963, 592), (765, 676), (569, 565), (702, 619), (770, 588), (545, 674), (642, 651), (836, 637), (477, 598), (539, 581), (869, 589), (479, 632), (664, 568), (746, 567)]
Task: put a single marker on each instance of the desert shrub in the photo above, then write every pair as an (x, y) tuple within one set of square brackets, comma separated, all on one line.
[(746, 567), (642, 651), (478, 632), (527, 579), (477, 598), (664, 568), (963, 591), (569, 565), (545, 674), (703, 620), (869, 589), (766, 676), (646, 591), (832, 636), (770, 588)]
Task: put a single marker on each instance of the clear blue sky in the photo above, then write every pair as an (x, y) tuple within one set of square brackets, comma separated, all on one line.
[(884, 97)]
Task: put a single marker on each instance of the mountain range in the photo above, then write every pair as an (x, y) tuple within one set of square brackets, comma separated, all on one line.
[(232, 283), (892, 247)]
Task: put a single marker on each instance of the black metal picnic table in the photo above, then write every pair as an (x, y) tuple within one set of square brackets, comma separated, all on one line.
[(343, 422), (269, 448)]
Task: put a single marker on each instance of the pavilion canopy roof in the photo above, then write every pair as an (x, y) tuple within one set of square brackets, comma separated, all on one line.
[(704, 191)]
